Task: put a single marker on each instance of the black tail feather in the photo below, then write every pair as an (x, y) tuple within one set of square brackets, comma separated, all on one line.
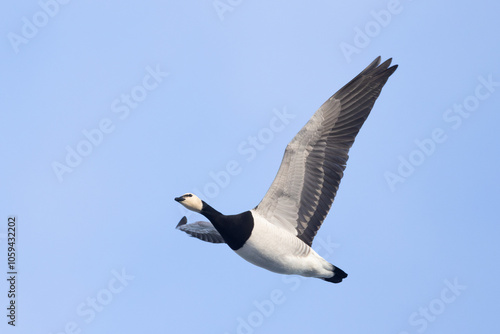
[(338, 275)]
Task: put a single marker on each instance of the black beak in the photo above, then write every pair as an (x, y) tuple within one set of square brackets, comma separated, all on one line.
[(179, 199)]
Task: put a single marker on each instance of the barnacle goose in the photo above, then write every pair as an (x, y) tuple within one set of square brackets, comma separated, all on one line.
[(278, 233)]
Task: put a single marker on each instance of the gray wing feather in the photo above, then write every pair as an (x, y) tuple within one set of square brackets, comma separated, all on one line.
[(202, 230), (314, 161)]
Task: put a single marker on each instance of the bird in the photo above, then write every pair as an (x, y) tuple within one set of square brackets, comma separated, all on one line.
[(278, 233)]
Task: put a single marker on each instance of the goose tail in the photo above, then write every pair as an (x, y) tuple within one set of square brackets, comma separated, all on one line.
[(338, 275)]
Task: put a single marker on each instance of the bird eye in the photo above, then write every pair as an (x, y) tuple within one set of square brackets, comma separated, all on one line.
[(188, 195)]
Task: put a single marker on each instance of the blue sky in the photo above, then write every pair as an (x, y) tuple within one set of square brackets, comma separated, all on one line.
[(110, 110)]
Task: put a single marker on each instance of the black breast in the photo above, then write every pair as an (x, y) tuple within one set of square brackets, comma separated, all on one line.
[(235, 229)]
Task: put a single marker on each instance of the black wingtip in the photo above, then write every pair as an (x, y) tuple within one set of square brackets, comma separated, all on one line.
[(384, 71), (183, 221), (374, 64)]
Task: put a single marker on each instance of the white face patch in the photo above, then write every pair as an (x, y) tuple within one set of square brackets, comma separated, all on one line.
[(190, 202)]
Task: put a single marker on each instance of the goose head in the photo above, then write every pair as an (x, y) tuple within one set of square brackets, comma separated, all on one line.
[(190, 202)]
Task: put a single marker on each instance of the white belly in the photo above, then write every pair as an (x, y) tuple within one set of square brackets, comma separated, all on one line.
[(275, 249)]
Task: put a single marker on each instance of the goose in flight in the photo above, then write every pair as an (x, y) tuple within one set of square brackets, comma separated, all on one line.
[(278, 233)]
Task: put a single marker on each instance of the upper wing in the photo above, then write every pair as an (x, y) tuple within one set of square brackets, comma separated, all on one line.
[(314, 161), (201, 230)]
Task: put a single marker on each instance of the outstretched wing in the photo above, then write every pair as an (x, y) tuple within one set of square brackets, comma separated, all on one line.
[(202, 230), (314, 161)]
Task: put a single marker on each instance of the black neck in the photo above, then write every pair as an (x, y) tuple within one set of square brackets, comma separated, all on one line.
[(234, 229), (210, 212)]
